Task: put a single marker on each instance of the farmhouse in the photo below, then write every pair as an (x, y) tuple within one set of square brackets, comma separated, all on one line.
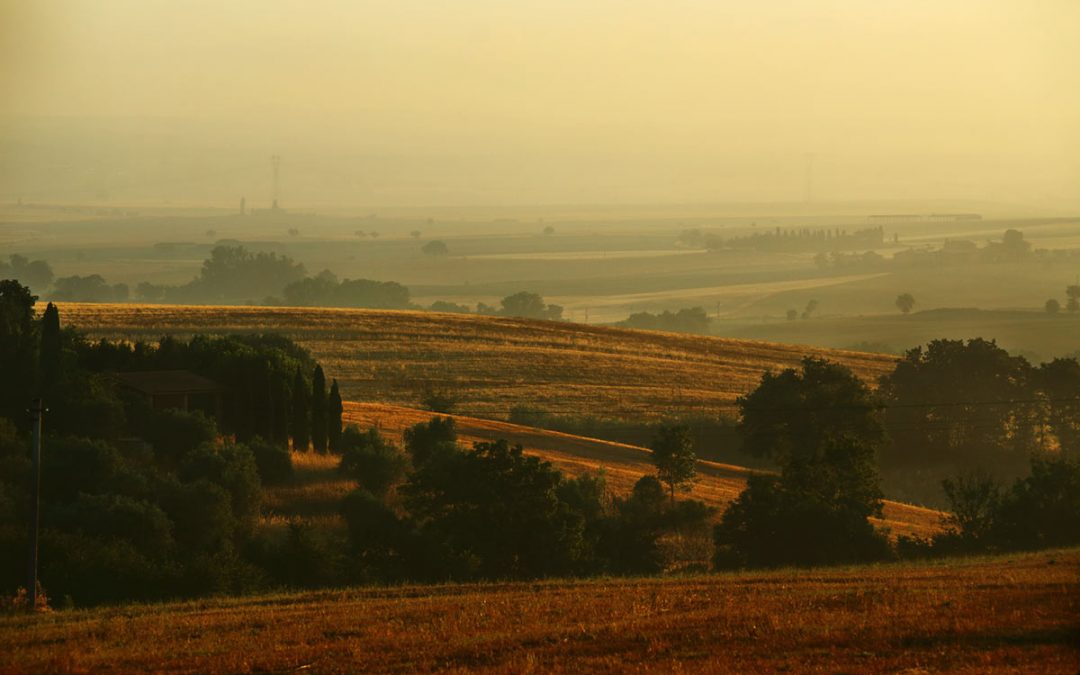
[(180, 389)]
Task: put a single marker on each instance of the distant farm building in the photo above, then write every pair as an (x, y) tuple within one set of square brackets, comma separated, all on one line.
[(179, 389)]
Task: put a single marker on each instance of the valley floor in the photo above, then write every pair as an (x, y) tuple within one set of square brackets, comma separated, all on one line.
[(1010, 613)]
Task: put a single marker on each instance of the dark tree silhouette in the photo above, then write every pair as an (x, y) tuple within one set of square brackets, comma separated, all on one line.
[(905, 302), (375, 463), (333, 420), (959, 405), (529, 306), (1059, 381), (435, 248), (18, 346), (1073, 293), (497, 511), (427, 438), (49, 355), (673, 454), (279, 394), (301, 408), (318, 410), (822, 425), (797, 413)]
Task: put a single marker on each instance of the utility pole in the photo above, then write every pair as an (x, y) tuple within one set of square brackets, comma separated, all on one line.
[(36, 413)]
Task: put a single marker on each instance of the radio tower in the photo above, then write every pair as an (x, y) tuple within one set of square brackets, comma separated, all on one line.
[(275, 162), (808, 187)]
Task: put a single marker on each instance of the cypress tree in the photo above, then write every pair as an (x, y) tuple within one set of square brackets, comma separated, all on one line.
[(301, 431), (318, 409), (280, 397), (262, 402), (333, 422), (49, 355)]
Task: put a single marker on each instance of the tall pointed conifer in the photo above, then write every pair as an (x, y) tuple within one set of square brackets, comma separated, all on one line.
[(301, 408), (318, 410), (333, 422)]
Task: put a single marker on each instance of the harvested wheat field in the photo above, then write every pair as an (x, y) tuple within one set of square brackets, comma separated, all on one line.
[(1014, 613), (717, 484), (491, 364)]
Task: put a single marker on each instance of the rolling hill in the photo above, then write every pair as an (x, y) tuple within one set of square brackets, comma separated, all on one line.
[(491, 364), (318, 488)]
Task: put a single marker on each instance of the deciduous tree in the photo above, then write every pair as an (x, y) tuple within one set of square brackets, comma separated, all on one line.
[(674, 458)]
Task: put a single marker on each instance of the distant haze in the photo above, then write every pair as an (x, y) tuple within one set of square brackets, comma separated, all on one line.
[(513, 102)]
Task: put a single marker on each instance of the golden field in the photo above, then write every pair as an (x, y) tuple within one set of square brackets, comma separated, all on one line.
[(1014, 613), (491, 364)]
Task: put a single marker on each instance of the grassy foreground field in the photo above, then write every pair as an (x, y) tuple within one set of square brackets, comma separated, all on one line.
[(491, 364), (1012, 613)]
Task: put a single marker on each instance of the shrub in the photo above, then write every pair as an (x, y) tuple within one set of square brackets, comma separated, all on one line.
[(232, 467), (424, 439), (272, 460), (76, 465), (374, 462), (1042, 510), (175, 433), (202, 516)]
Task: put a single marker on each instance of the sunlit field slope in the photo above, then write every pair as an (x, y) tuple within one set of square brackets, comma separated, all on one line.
[(491, 364), (717, 484), (1013, 613)]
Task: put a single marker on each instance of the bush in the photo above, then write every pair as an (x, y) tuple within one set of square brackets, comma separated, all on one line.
[(772, 524), (424, 439), (93, 570), (497, 509), (1043, 509), (373, 461), (202, 517), (232, 467), (272, 460), (439, 401), (175, 433), (630, 544), (304, 558), (116, 518), (381, 541), (75, 465)]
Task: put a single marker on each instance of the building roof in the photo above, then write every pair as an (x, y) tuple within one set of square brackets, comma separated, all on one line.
[(155, 382)]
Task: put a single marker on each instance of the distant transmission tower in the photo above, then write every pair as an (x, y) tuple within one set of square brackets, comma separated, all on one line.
[(275, 163)]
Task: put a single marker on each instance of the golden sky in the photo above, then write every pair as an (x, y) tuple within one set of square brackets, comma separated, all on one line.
[(537, 101)]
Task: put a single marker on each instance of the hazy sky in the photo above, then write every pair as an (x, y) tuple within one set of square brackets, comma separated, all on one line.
[(541, 101)]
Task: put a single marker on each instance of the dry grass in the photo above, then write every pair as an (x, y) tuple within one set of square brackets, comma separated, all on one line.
[(1006, 614), (491, 364), (315, 489), (717, 484)]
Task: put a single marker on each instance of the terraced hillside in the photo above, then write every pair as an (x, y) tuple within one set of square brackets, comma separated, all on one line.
[(491, 364)]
